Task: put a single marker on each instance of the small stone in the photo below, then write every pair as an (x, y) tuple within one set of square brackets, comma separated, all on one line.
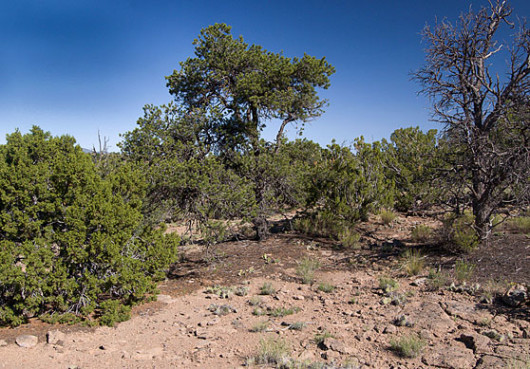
[(419, 282), (3, 343), (298, 297), (476, 342), (390, 329), (55, 337), (27, 340), (515, 296)]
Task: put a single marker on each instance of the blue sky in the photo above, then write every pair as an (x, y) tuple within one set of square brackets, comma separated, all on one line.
[(79, 67)]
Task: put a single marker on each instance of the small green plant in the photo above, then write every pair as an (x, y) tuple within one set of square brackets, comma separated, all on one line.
[(267, 289), (280, 312), (223, 292), (241, 291), (297, 326), (388, 284), (321, 337), (408, 346), (326, 287), (255, 301), (306, 270), (259, 311), (436, 279), (349, 238), (519, 225), (421, 233), (272, 351), (461, 232), (387, 216), (260, 327), (413, 262), (463, 270), (221, 309)]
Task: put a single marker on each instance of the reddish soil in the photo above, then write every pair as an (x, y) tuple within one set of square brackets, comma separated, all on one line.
[(180, 331)]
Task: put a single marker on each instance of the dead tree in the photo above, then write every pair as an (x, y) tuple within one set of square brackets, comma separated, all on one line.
[(486, 114)]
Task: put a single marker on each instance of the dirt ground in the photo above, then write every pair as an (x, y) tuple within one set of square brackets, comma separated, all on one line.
[(351, 324)]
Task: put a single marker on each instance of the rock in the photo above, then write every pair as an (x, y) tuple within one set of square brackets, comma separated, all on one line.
[(490, 362), (429, 315), (465, 311), (307, 355), (419, 282), (166, 299), (494, 335), (3, 343), (450, 357), (298, 297), (55, 337), (476, 342), (515, 296), (403, 321), (27, 340), (390, 329)]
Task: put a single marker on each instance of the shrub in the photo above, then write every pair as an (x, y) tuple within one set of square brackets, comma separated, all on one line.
[(388, 284), (326, 287), (463, 270), (436, 279), (306, 270), (421, 233), (408, 346), (260, 327), (461, 232), (70, 240), (519, 225), (272, 351), (280, 312), (321, 337), (267, 289), (349, 238), (413, 262), (387, 216), (297, 326)]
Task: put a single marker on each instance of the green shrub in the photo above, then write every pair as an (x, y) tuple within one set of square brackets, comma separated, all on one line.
[(297, 326), (321, 337), (421, 233), (280, 312), (461, 232), (436, 279), (267, 289), (388, 284), (70, 239), (519, 225), (387, 216), (463, 270), (306, 270), (113, 311), (272, 351), (260, 327), (326, 287), (408, 346), (349, 238), (413, 262)]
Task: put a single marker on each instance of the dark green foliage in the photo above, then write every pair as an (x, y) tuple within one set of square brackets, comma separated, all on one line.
[(346, 186), (413, 162), (68, 237), (237, 88)]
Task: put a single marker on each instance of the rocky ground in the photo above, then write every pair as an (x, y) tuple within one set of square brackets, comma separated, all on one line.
[(223, 313)]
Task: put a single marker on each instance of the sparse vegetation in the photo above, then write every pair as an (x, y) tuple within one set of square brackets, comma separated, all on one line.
[(306, 270), (326, 287), (463, 270), (408, 346), (272, 351), (387, 216), (413, 262), (260, 327), (519, 225), (436, 279), (321, 336), (388, 284), (421, 233), (267, 289), (297, 326)]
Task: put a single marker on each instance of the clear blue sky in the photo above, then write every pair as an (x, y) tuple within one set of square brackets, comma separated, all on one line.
[(83, 66)]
